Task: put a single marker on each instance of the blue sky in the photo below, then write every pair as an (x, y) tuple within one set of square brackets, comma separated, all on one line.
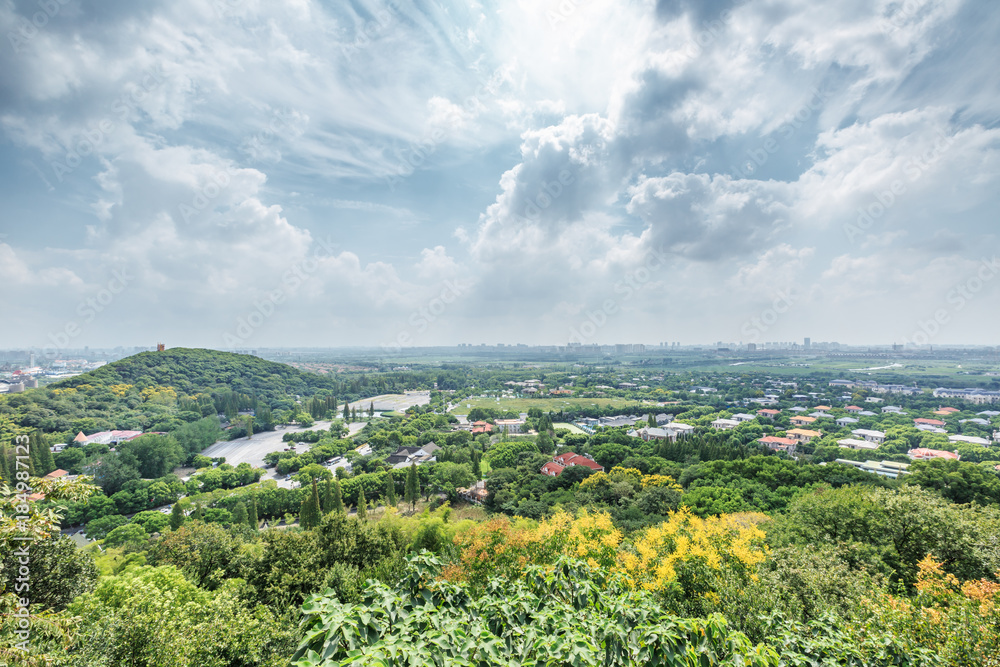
[(235, 173)]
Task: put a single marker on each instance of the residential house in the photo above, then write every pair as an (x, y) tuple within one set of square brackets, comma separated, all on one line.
[(821, 415), (969, 439), (854, 443), (562, 461), (846, 421), (853, 409), (474, 494), (510, 425), (481, 427), (743, 417), (725, 424), (799, 420), (922, 454), (928, 422), (803, 435), (767, 413), (874, 399), (893, 409), (878, 437), (779, 444)]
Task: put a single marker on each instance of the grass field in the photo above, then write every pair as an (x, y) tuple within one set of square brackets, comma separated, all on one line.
[(545, 404), (572, 428)]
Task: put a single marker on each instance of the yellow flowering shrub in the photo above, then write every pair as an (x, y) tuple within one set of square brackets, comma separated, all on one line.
[(958, 620), (699, 547), (164, 395), (120, 390)]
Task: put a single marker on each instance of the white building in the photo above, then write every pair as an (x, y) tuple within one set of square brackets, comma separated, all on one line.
[(725, 424), (970, 439), (878, 437)]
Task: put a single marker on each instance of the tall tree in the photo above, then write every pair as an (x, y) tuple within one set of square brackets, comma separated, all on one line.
[(198, 514), (362, 505), (347, 413), (240, 514), (328, 497), (390, 491), (338, 498), (412, 489), (371, 409), (249, 426), (477, 468), (651, 421), (309, 515), (176, 517), (253, 520)]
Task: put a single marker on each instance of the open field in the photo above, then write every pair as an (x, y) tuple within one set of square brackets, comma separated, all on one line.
[(545, 404), (394, 402), (572, 428)]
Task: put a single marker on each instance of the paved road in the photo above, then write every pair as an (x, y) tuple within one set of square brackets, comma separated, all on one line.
[(252, 450), (399, 402)]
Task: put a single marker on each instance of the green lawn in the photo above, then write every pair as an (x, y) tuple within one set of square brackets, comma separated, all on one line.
[(572, 428)]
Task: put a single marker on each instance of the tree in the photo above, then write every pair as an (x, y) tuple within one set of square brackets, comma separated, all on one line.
[(449, 477), (309, 515), (362, 505), (338, 497), (347, 413), (253, 520), (651, 421), (129, 533), (176, 517), (390, 491), (328, 497), (371, 409), (412, 489), (155, 455), (477, 468), (240, 514), (198, 514)]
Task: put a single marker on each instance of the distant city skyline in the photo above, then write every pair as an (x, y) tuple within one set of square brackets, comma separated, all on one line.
[(250, 175)]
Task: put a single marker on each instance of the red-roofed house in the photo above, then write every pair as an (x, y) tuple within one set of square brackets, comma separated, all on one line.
[(779, 444), (948, 409), (481, 427), (922, 454), (56, 474), (928, 422), (854, 409), (552, 469), (562, 461), (767, 413)]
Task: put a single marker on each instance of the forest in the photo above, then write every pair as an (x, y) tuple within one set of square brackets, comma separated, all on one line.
[(710, 549)]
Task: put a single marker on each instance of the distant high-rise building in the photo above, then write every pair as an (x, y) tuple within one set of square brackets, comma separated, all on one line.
[(807, 343)]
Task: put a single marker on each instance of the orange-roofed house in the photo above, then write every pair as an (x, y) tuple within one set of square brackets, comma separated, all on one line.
[(853, 409), (56, 474), (802, 434), (768, 413), (802, 421), (822, 408), (80, 437), (922, 454), (570, 459), (928, 422)]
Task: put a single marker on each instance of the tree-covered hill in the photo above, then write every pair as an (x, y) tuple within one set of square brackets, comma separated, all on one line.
[(192, 371)]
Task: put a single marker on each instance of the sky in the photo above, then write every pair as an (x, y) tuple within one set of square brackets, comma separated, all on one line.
[(242, 174)]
